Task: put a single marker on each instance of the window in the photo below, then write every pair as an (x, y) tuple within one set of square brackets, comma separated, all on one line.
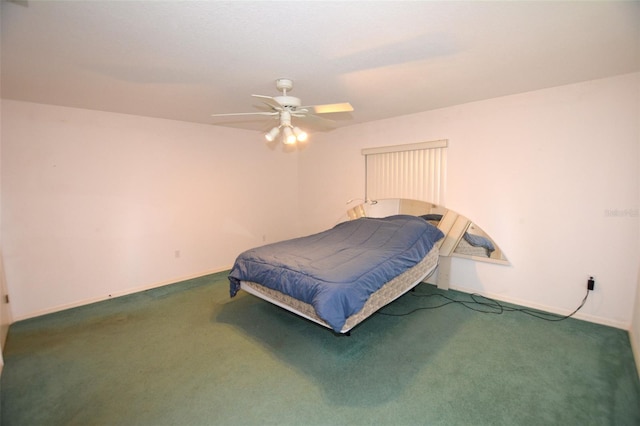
[(415, 171)]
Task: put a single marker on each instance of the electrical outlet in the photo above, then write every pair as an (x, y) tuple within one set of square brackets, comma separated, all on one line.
[(591, 283)]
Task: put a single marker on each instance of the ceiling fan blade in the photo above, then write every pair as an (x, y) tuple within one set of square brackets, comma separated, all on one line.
[(269, 101), (329, 108), (318, 123), (243, 113)]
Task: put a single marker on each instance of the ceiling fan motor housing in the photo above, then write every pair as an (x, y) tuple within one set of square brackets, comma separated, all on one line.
[(288, 102)]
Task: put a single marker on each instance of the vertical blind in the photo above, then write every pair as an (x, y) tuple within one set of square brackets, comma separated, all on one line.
[(416, 171)]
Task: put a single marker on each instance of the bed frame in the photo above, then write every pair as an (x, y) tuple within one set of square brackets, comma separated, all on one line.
[(383, 296)]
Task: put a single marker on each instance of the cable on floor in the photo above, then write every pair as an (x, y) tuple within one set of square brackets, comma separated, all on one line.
[(486, 305)]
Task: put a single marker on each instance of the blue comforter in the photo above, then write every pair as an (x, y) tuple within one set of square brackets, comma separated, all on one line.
[(337, 270), (478, 241)]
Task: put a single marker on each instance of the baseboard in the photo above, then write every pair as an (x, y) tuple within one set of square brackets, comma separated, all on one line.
[(118, 294), (581, 316)]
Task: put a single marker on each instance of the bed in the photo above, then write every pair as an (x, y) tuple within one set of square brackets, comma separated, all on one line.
[(340, 277)]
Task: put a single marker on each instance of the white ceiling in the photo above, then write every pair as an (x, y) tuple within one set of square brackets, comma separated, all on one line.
[(186, 60)]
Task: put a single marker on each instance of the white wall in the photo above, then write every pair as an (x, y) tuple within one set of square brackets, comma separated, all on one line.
[(97, 204), (634, 333), (551, 175), (5, 311)]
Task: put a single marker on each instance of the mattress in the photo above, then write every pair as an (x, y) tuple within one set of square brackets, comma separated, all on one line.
[(389, 292)]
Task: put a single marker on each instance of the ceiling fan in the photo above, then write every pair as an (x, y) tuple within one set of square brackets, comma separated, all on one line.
[(284, 107)]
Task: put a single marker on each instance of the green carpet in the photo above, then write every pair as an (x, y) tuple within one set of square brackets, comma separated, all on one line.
[(187, 354)]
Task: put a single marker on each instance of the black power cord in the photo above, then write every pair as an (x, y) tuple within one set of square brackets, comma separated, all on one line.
[(486, 305)]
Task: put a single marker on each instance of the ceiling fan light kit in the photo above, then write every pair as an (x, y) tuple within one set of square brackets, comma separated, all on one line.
[(289, 137), (285, 107), (273, 134), (300, 134)]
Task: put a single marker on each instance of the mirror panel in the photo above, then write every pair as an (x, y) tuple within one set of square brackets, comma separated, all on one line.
[(463, 238)]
